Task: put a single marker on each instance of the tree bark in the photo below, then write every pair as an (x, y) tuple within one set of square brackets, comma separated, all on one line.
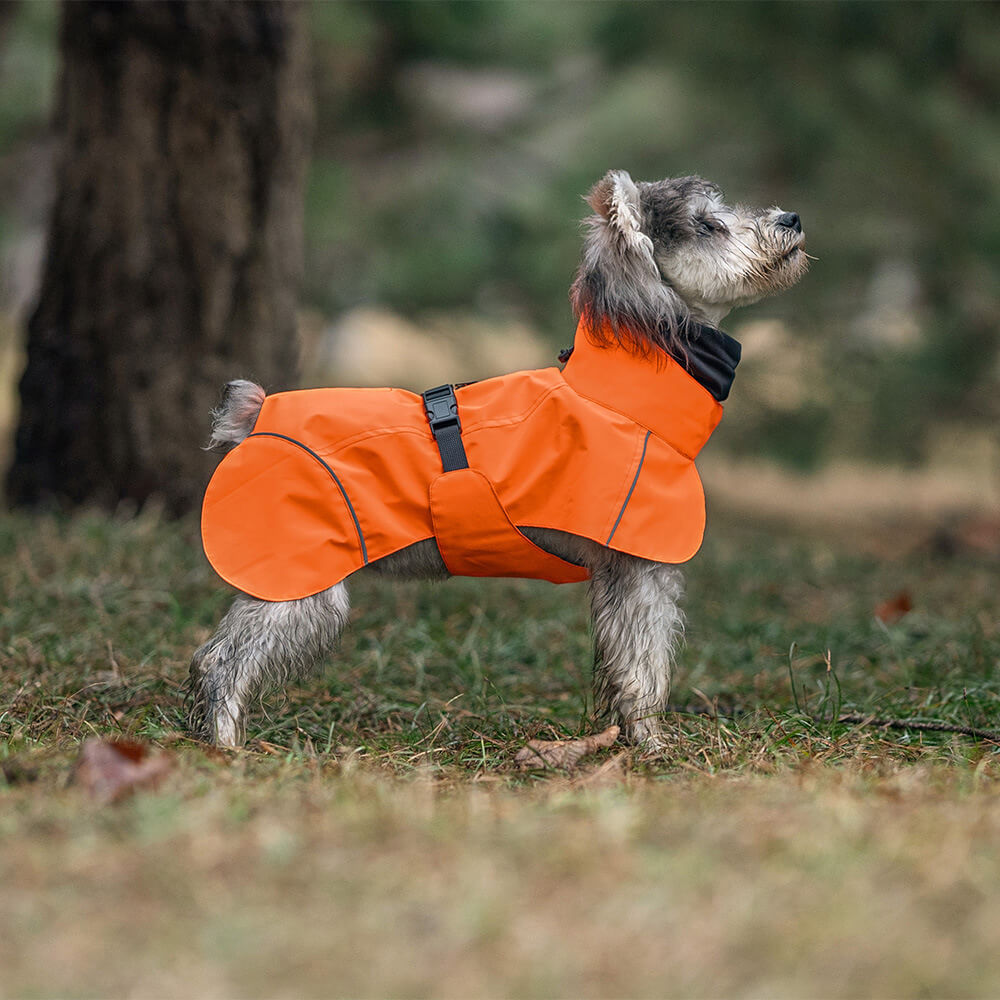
[(174, 251)]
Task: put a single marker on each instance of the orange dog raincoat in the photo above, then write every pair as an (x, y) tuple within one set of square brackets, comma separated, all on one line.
[(332, 479)]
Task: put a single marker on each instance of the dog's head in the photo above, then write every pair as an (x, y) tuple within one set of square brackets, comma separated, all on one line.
[(658, 255)]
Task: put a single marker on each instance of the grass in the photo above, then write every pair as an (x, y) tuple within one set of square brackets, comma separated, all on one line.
[(373, 840)]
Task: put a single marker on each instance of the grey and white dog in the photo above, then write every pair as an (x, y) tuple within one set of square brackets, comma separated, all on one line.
[(658, 259)]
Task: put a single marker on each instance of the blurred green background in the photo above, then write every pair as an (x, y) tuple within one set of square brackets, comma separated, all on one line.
[(454, 141)]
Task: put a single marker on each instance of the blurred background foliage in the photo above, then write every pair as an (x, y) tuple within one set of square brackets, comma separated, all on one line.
[(454, 140)]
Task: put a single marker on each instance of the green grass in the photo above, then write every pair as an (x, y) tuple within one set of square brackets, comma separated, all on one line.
[(374, 840)]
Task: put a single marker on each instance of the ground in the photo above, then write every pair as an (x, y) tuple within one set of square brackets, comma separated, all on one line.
[(374, 839)]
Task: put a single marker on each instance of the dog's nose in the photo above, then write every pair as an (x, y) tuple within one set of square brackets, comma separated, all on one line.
[(790, 220)]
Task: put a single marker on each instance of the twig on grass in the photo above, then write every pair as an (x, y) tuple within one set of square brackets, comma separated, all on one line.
[(871, 721), (989, 735)]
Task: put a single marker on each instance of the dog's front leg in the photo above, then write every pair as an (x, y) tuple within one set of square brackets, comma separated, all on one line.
[(258, 645), (637, 626)]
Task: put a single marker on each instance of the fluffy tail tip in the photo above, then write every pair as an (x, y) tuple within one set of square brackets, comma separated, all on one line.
[(235, 416)]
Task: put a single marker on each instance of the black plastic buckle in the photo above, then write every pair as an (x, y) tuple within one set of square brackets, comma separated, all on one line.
[(442, 408)]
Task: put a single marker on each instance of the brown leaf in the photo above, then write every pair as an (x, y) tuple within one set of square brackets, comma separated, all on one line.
[(110, 770), (566, 754), (894, 608)]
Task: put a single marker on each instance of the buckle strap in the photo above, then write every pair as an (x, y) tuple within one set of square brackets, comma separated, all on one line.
[(441, 407)]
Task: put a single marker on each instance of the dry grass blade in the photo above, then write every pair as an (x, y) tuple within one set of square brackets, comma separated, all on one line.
[(604, 775), (826, 833), (563, 754)]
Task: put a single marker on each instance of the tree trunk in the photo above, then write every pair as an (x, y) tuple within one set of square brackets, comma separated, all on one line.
[(175, 243)]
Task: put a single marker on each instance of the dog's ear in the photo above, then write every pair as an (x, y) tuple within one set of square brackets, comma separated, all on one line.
[(619, 284), (616, 199)]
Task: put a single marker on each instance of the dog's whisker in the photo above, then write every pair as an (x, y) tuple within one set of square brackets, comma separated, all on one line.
[(758, 266)]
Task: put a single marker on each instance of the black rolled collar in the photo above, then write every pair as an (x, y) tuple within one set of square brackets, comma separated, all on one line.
[(710, 357)]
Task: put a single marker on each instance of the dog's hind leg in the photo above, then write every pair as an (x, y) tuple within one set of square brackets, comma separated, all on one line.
[(258, 645), (638, 626)]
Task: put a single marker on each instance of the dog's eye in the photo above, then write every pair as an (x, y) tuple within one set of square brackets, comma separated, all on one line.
[(708, 227)]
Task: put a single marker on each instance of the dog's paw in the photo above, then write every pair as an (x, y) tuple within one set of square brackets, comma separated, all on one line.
[(654, 745), (648, 738)]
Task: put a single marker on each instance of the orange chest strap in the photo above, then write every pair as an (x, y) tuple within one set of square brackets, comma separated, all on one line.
[(476, 537), (473, 532)]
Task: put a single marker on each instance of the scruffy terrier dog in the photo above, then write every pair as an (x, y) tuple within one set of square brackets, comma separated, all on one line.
[(584, 472)]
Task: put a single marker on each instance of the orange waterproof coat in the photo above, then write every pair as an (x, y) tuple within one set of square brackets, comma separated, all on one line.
[(332, 479)]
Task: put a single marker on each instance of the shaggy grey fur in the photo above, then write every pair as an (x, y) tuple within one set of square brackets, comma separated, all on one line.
[(657, 257)]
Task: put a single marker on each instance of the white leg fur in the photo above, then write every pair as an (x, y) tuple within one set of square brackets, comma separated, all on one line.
[(259, 645), (638, 626)]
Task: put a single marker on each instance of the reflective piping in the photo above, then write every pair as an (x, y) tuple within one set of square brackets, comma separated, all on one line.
[(333, 476), (631, 489)]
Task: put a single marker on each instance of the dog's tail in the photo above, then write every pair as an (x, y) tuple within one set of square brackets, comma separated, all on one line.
[(233, 419)]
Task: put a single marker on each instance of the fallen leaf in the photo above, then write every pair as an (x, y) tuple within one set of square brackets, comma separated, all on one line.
[(894, 608), (110, 770), (564, 754)]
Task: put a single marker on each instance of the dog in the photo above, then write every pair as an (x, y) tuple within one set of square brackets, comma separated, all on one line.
[(663, 262)]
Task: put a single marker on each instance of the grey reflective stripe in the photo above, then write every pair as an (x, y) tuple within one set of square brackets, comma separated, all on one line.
[(631, 489), (333, 476)]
